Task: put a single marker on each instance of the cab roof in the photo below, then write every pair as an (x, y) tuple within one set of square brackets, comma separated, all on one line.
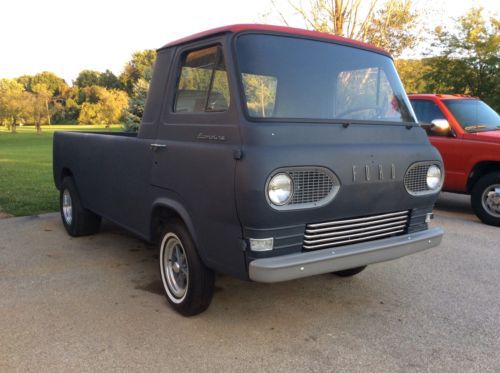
[(440, 96), (276, 29)]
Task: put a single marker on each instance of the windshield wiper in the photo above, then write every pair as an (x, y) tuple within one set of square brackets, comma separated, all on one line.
[(475, 127)]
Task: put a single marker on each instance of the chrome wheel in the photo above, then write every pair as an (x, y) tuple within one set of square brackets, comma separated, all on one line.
[(491, 200), (67, 207), (174, 268)]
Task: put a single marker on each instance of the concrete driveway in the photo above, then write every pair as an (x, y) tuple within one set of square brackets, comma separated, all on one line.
[(95, 304)]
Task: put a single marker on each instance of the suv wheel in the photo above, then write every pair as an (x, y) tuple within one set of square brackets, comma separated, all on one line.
[(77, 220), (188, 284), (485, 199)]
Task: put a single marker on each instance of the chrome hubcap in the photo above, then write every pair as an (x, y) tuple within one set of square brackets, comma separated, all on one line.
[(67, 207), (491, 200), (175, 266)]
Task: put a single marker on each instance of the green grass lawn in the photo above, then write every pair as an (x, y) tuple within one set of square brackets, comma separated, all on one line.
[(26, 184)]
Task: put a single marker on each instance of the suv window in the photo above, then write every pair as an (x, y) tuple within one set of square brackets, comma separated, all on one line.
[(426, 111), (203, 84)]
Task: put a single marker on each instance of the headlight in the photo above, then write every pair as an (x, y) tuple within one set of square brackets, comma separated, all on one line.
[(279, 189), (433, 177)]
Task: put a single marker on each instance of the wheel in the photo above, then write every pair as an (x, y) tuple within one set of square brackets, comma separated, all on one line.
[(188, 284), (349, 272), (77, 220), (485, 199)]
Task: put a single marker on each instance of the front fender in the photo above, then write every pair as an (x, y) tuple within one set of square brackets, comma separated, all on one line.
[(178, 208)]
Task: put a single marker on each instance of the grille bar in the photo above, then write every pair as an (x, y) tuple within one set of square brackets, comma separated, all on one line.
[(348, 236), (336, 233), (368, 218), (370, 238), (364, 229)]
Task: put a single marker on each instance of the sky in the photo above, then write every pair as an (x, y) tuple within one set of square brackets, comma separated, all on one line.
[(67, 36)]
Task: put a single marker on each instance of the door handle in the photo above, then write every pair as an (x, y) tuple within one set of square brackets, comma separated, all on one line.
[(155, 147)]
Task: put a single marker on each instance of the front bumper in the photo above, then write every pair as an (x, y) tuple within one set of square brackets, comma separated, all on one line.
[(293, 266)]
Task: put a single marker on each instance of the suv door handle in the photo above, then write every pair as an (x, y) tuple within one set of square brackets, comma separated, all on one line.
[(155, 147)]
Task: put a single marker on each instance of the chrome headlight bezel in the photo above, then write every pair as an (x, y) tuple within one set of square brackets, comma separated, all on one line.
[(305, 178), (279, 189), (416, 178), (434, 177)]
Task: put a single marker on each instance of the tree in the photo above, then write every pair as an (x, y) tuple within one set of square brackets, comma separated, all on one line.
[(470, 57), (394, 27), (54, 84), (140, 66), (410, 73), (136, 104), (87, 78), (43, 95), (14, 103), (466, 61), (390, 25), (38, 106), (113, 104), (107, 106), (48, 86), (136, 77), (109, 80), (90, 113)]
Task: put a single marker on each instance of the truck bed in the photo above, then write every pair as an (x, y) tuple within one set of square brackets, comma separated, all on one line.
[(111, 171)]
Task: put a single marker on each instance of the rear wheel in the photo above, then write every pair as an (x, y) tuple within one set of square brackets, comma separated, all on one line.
[(349, 272), (188, 284), (485, 199), (77, 220)]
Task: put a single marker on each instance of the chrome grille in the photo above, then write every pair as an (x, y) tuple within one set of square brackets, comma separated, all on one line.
[(310, 186), (416, 178), (345, 232)]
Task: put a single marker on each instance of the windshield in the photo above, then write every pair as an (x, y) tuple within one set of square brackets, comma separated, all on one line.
[(292, 78), (473, 115)]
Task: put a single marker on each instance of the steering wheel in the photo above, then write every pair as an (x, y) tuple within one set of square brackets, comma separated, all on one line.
[(378, 111)]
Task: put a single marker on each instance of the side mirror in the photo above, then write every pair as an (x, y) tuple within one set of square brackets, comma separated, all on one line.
[(440, 126)]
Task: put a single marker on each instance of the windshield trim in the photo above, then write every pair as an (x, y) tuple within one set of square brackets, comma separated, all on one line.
[(241, 90), (346, 122)]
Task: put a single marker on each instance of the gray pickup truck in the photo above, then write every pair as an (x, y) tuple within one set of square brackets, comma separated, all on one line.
[(266, 153)]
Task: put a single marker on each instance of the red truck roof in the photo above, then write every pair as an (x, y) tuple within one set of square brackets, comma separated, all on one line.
[(442, 96), (279, 29)]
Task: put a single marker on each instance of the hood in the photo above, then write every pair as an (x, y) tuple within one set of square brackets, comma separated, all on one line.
[(488, 136)]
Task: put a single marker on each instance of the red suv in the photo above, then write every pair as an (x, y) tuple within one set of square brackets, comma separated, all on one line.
[(467, 133)]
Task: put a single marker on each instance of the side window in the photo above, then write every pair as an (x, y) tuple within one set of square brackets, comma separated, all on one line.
[(427, 111), (417, 108), (203, 84)]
